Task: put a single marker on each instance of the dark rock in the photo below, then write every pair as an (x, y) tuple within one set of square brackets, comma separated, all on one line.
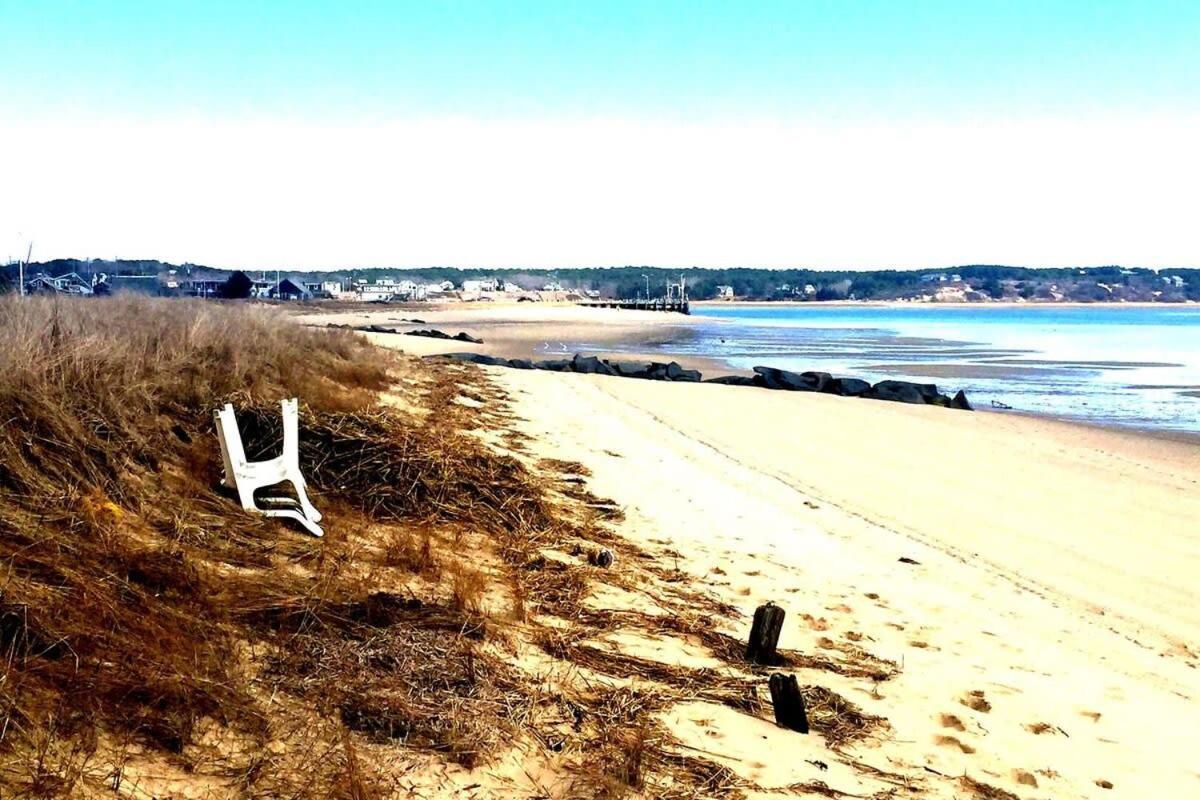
[(675, 372), (847, 387), (960, 401), (819, 381), (905, 392), (791, 381), (554, 365), (601, 558), (520, 363), (475, 358), (378, 329), (466, 337), (630, 369), (734, 380), (590, 365)]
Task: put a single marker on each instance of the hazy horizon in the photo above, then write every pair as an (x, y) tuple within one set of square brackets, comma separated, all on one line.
[(776, 135)]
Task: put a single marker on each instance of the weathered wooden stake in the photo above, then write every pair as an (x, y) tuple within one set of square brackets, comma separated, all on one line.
[(788, 702), (764, 634)]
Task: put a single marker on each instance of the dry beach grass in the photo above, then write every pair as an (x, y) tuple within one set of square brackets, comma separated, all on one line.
[(157, 641)]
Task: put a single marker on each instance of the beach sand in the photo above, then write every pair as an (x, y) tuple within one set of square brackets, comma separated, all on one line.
[(525, 330), (1045, 618)]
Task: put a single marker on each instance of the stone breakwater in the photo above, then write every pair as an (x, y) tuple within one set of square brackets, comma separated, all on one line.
[(764, 377)]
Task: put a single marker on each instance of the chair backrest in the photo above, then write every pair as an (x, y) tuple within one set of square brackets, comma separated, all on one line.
[(232, 452), (291, 431)]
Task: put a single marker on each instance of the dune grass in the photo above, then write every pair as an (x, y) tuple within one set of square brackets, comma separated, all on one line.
[(131, 589), (149, 626)]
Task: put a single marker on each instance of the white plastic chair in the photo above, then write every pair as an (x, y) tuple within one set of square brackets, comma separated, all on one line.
[(246, 476)]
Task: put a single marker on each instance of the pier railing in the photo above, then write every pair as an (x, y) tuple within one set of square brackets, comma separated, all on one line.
[(653, 304)]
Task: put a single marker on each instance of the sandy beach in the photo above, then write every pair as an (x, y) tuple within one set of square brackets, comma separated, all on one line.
[(1034, 581)]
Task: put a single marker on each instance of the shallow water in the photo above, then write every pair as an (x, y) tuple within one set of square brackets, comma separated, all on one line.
[(1131, 366)]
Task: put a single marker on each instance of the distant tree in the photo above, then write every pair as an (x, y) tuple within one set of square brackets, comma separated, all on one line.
[(236, 287), (992, 288)]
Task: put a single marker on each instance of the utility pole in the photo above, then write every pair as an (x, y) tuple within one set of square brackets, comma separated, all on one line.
[(21, 268)]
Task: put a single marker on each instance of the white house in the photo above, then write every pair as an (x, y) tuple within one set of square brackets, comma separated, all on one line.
[(724, 292), (483, 285)]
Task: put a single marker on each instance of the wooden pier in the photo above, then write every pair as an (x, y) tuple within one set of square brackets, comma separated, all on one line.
[(654, 304)]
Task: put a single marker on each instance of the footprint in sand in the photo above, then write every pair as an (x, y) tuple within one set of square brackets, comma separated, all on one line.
[(954, 741), (1024, 778), (951, 721), (816, 623), (976, 701)]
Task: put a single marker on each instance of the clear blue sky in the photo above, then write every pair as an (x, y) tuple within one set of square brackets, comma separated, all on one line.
[(681, 59), (849, 134)]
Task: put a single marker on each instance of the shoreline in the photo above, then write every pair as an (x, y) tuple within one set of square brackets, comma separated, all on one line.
[(538, 331), (1022, 576), (941, 304), (1030, 579)]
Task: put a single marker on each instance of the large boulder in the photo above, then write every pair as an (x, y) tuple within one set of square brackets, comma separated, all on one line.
[(554, 365), (676, 372), (590, 365), (960, 401), (520, 363), (630, 369), (847, 387), (792, 381), (476, 358), (819, 381), (466, 337), (906, 392)]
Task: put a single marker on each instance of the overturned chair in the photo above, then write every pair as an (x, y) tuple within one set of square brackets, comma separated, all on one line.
[(246, 477)]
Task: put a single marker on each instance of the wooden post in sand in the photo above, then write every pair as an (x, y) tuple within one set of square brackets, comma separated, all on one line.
[(788, 702), (764, 634)]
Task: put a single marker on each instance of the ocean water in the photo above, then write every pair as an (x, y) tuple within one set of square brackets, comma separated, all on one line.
[(1119, 365)]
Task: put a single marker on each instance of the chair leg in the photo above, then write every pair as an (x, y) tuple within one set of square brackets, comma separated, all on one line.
[(297, 481)]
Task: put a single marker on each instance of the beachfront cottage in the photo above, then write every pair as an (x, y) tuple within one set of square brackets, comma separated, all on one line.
[(287, 289)]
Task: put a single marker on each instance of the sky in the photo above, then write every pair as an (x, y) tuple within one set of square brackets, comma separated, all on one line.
[(847, 134)]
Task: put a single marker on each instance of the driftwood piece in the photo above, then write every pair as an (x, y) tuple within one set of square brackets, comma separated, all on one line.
[(764, 634), (788, 703)]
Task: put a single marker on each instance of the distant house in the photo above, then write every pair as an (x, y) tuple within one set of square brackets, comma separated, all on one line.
[(71, 283), (373, 293), (287, 289), (724, 292), (483, 285)]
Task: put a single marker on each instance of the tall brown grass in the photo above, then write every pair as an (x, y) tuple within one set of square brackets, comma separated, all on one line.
[(129, 586)]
